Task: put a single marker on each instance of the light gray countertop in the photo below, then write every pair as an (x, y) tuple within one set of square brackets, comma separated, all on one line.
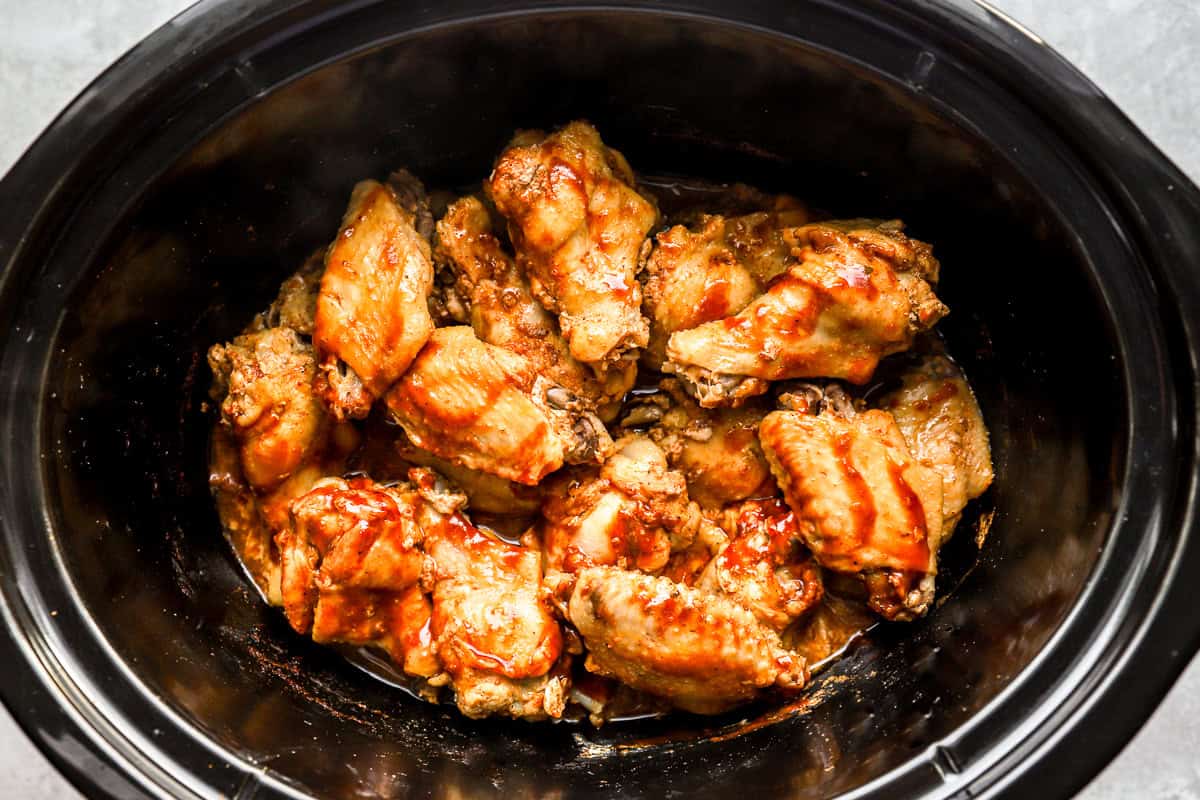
[(1144, 53)]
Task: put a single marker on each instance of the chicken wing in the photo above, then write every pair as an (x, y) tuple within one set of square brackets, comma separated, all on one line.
[(273, 442), (352, 567), (295, 306), (765, 566), (263, 381), (941, 422), (632, 512), (713, 272), (864, 505), (717, 449), (488, 409), (579, 228), (372, 313), (492, 627), (856, 291), (503, 311), (704, 653)]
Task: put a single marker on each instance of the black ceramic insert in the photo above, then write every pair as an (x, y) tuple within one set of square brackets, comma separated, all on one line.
[(170, 199)]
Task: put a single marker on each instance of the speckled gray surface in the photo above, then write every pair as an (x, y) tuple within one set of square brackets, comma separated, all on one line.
[(1144, 53)]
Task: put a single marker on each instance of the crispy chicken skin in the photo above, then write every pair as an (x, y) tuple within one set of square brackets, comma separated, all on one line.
[(492, 626), (717, 450), (864, 504), (579, 228), (633, 512), (765, 567), (856, 291), (703, 652), (263, 381), (712, 272), (502, 310), (488, 409), (372, 313), (941, 422), (352, 567)]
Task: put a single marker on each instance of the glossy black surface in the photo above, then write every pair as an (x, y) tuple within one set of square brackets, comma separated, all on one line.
[(168, 202)]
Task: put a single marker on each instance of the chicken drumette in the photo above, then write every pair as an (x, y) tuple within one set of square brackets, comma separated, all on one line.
[(579, 228), (492, 627), (633, 512), (353, 567), (853, 292), (712, 272)]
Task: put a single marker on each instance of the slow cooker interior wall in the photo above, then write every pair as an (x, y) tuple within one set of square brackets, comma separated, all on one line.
[(211, 240)]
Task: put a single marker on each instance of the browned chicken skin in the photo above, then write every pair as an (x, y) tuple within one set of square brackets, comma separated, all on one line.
[(864, 505), (713, 272), (855, 291), (703, 652), (633, 512), (264, 380), (579, 228), (372, 313), (502, 310), (492, 626), (488, 409), (765, 566), (937, 413), (352, 565), (716, 449)]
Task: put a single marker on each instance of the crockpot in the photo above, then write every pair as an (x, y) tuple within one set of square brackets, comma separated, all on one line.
[(166, 203)]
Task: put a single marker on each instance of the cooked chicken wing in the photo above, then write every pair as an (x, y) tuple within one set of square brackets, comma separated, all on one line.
[(765, 566), (372, 311), (295, 306), (717, 450), (856, 291), (503, 311), (864, 504), (941, 422), (704, 653), (492, 625), (633, 512), (488, 409), (352, 565), (713, 272), (579, 228), (263, 381)]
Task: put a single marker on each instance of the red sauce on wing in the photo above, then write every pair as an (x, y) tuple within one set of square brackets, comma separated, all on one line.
[(862, 504)]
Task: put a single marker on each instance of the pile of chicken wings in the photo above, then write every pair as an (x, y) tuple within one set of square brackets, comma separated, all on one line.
[(544, 445)]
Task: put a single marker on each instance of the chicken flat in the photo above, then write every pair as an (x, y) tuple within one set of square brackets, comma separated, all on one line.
[(579, 228), (372, 313), (703, 652), (855, 291), (488, 409), (863, 504), (556, 458), (937, 413)]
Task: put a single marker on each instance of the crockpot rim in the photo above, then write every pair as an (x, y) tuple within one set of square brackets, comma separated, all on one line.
[(202, 19)]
